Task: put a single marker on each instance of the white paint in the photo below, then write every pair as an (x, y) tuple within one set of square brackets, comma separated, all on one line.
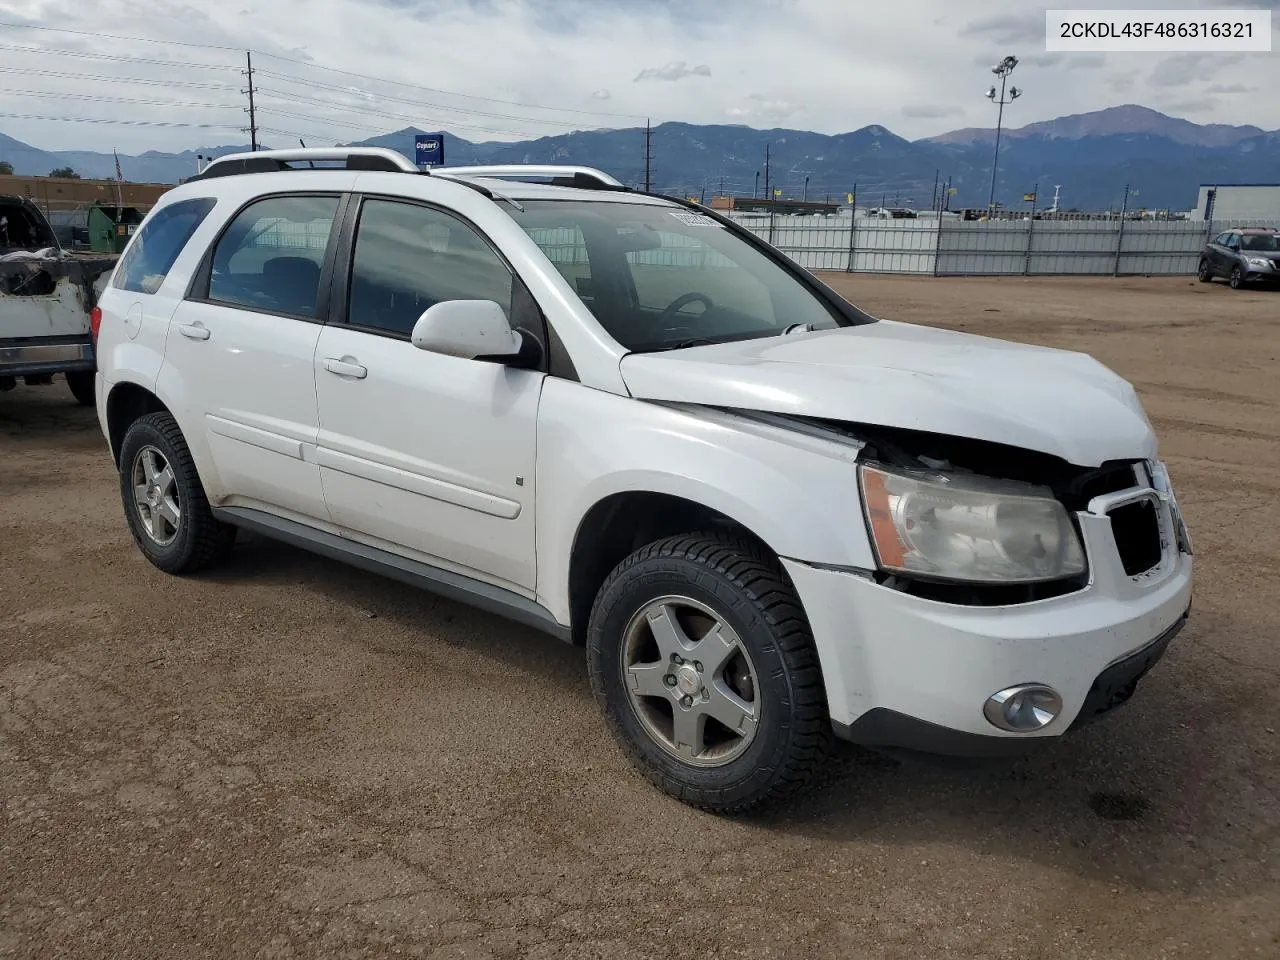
[(490, 471)]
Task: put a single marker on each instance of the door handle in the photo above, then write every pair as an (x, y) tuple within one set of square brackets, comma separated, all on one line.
[(194, 331), (346, 367)]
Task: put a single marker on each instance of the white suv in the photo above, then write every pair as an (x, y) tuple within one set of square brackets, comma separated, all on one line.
[(621, 418)]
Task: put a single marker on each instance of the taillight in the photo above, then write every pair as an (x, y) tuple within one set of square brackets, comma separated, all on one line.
[(95, 321)]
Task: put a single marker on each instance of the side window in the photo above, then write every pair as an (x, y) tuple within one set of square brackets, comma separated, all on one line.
[(408, 258), (152, 254), (1233, 241), (1221, 239), (271, 256)]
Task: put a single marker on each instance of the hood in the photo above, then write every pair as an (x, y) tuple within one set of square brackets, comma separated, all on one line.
[(914, 377)]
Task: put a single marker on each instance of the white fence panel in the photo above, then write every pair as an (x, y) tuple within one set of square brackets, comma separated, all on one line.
[(991, 248), (895, 246)]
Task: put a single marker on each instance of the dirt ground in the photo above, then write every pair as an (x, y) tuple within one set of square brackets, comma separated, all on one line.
[(289, 758)]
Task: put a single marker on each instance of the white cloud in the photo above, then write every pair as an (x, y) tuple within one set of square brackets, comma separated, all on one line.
[(676, 70), (918, 67)]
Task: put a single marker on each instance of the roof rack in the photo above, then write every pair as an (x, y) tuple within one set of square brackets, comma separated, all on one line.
[(586, 178), (272, 161)]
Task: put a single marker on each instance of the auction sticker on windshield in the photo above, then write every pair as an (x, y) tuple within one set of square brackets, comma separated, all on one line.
[(691, 219)]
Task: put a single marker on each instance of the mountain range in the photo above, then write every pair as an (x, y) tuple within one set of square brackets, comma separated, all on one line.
[(1093, 156)]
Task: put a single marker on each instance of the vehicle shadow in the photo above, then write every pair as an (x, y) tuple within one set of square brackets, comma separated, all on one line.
[(1177, 790), (1165, 794), (36, 413)]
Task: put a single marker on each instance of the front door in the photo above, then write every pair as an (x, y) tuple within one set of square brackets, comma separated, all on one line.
[(240, 354), (430, 454)]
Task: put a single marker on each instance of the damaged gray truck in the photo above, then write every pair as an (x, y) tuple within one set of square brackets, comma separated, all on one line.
[(47, 297)]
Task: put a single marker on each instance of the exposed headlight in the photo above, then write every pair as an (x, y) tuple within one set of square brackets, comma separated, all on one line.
[(1258, 261), (969, 528)]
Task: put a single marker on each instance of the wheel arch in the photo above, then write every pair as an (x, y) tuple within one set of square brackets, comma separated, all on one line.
[(126, 402), (618, 524)]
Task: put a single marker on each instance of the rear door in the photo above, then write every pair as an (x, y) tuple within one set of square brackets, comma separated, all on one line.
[(241, 349), (430, 454)]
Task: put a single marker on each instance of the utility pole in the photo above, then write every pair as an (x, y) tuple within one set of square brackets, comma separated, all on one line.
[(648, 157), (806, 189), (755, 195), (767, 194), (1001, 70), (253, 114), (936, 175), (1124, 210)]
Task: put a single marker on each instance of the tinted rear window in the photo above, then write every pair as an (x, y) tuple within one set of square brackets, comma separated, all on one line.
[(152, 254)]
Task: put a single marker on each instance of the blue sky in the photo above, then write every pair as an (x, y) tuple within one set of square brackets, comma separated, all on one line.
[(511, 69)]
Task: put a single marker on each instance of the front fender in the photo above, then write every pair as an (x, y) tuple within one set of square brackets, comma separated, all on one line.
[(798, 493)]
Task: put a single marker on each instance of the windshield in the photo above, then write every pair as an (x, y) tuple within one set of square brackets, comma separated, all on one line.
[(661, 277), (1253, 241)]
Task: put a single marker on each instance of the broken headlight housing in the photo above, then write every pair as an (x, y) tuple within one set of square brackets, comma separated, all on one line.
[(967, 528)]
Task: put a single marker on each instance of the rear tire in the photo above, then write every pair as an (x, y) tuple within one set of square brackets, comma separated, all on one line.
[(1237, 278), (164, 501), (82, 387), (1203, 273), (742, 650)]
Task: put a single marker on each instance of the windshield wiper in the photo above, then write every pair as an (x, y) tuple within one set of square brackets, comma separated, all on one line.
[(695, 342)]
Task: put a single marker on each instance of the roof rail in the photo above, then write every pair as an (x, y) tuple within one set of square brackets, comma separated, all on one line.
[(583, 177), (271, 161)]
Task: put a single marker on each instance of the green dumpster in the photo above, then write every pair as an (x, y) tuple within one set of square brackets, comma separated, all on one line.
[(111, 227)]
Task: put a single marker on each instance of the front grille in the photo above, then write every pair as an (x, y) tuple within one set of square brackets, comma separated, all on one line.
[(1136, 527), (1096, 483)]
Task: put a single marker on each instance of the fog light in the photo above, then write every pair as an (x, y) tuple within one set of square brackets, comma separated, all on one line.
[(1024, 708)]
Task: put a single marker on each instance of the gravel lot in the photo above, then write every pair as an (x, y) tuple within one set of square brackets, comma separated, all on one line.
[(289, 758)]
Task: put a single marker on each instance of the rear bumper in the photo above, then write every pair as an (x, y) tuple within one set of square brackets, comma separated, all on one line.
[(35, 356)]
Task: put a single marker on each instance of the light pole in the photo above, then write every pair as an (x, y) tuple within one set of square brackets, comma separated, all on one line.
[(1001, 70), (806, 189)]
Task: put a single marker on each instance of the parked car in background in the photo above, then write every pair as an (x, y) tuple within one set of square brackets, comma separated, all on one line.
[(769, 517), (1243, 256), (47, 298)]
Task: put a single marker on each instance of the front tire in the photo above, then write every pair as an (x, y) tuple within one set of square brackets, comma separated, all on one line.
[(1203, 273), (1237, 278), (81, 385), (702, 660), (164, 501)]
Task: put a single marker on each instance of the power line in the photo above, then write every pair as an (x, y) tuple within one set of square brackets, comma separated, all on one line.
[(146, 81), (452, 93), (126, 123), (86, 55), (414, 102), (108, 36), (101, 98), (311, 66), (367, 111)]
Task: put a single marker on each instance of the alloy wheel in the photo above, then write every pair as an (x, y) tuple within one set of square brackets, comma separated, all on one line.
[(155, 495), (690, 681)]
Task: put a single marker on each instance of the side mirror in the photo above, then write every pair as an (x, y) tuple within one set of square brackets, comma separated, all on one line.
[(466, 329)]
